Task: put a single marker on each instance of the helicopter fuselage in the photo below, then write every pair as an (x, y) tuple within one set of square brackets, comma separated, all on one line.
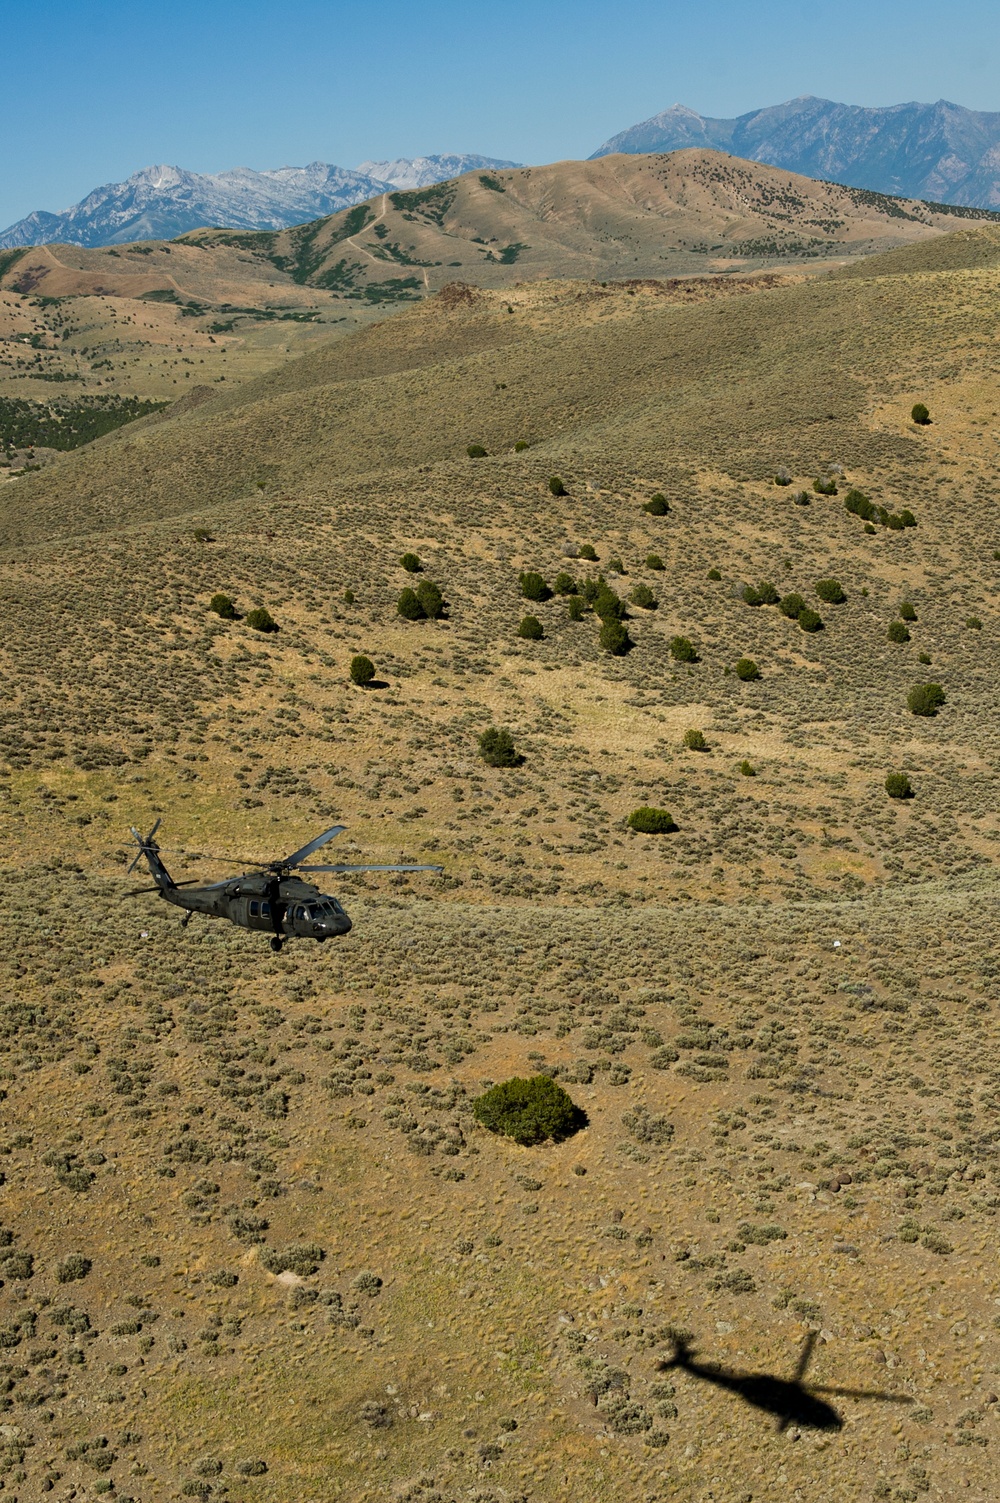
[(288, 907)]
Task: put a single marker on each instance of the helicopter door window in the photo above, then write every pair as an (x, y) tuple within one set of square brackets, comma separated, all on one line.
[(254, 909), (265, 910), (300, 912)]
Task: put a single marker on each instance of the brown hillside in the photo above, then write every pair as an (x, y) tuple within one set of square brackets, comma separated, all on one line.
[(255, 1245)]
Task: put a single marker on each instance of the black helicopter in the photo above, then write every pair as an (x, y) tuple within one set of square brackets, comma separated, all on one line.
[(269, 899)]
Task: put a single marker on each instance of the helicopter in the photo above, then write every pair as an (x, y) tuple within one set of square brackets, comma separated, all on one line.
[(269, 899)]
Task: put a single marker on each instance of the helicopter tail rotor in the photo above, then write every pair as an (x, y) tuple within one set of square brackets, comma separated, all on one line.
[(149, 849)]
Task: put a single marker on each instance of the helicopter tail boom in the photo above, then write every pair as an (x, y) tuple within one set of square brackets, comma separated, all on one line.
[(149, 848)]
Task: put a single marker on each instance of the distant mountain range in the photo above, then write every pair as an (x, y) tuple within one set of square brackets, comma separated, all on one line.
[(940, 152), (159, 203)]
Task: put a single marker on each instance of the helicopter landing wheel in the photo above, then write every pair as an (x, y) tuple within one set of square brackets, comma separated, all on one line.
[(276, 944)]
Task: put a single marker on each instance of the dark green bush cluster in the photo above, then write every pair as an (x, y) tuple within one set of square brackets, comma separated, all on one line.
[(761, 594), (533, 587), (747, 670), (654, 561), (411, 563), (825, 485), (713, 575), (425, 603), (564, 584), (643, 597), (647, 821), (859, 505), (682, 650), (224, 606), (260, 619), (791, 605), (925, 699), (589, 552), (529, 1111), (657, 505), (497, 749), (556, 486), (614, 638), (831, 591), (695, 741), (531, 629), (897, 785), (906, 611), (362, 670), (782, 476), (919, 414), (476, 451), (898, 632)]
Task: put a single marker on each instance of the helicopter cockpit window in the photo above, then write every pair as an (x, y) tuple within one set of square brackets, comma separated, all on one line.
[(254, 909), (300, 912)]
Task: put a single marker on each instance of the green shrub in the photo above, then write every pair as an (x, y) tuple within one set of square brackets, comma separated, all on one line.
[(556, 486), (587, 551), (657, 505), (825, 485), (614, 638), (362, 670), (782, 476), (695, 741), (529, 1111), (713, 575), (643, 596), (747, 769), (810, 620), (615, 565), (919, 414), (223, 606), (496, 747), (974, 623), (606, 604), (907, 518), (830, 591), (898, 632), (521, 445), (925, 699), (897, 785), (791, 606), (924, 657), (577, 609), (906, 611), (531, 629), (533, 587), (857, 502), (747, 670), (476, 451), (869, 529), (654, 561), (761, 594), (202, 535), (430, 600), (411, 563), (409, 606), (348, 597), (682, 650), (260, 619), (564, 584), (648, 821), (800, 498)]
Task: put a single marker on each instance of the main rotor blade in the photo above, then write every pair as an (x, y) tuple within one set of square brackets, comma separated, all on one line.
[(300, 855), (367, 867), (135, 891)]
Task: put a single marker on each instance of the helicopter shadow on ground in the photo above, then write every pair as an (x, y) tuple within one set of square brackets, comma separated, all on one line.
[(792, 1401)]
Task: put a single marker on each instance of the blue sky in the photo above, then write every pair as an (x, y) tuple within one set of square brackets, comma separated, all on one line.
[(94, 89)]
